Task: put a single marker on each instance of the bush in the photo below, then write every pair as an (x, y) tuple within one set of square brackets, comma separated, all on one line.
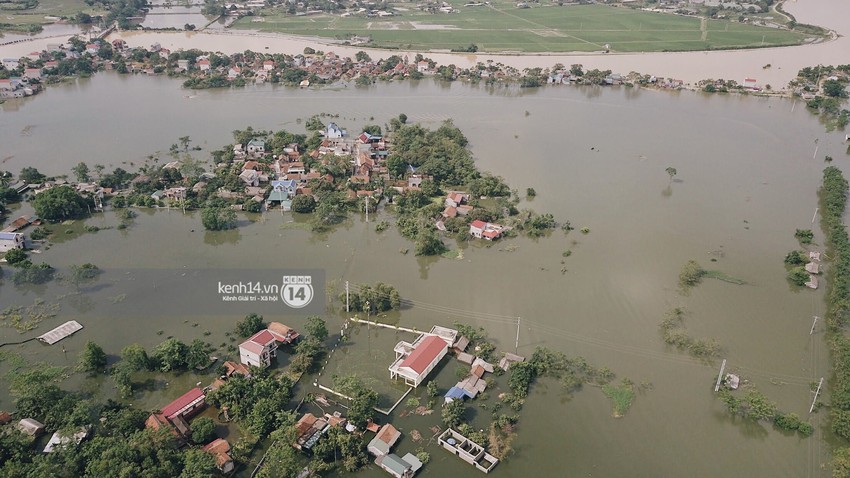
[(15, 256), (203, 430), (303, 204), (798, 276), (691, 274), (795, 258), (805, 236), (218, 218)]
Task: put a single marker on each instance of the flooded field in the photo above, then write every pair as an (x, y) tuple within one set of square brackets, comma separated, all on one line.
[(596, 157)]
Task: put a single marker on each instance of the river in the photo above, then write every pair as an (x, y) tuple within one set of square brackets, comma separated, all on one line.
[(596, 156)]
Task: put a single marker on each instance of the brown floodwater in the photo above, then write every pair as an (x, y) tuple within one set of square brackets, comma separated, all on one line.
[(596, 157)]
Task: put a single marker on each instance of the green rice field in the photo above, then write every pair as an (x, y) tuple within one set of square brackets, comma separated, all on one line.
[(502, 26)]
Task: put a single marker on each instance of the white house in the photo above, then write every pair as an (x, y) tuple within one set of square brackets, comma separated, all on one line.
[(257, 147), (204, 65), (259, 349), (334, 131), (415, 361), (11, 240)]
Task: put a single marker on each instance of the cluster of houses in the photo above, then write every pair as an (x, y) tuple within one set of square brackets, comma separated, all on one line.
[(813, 268)]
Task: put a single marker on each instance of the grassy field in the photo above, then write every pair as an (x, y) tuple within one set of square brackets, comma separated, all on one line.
[(53, 8), (503, 27)]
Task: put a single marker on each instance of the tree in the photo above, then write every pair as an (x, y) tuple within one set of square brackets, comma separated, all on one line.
[(92, 358), (170, 355), (691, 274), (198, 354), (453, 412), (522, 377), (530, 192), (303, 203), (252, 324), (671, 171), (428, 243), (31, 175), (363, 400), (203, 430), (316, 328), (362, 56), (218, 218), (60, 203), (834, 88), (372, 129), (81, 171), (134, 358), (82, 274), (198, 464), (15, 256)]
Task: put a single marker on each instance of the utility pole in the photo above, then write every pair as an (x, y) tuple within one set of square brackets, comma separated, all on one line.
[(814, 400), (720, 375), (815, 215), (516, 346), (366, 199), (347, 306), (813, 325)]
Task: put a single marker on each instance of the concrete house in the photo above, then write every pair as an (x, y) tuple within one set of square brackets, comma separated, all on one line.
[(415, 361), (399, 467), (259, 349), (335, 132), (257, 147), (11, 240), (383, 442)]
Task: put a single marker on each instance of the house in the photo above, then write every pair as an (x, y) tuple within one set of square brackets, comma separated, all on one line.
[(189, 404), (383, 442), (423, 66), (10, 63), (11, 240), (259, 349), (283, 333), (508, 359), (30, 426), (268, 65), (250, 177), (204, 65), (813, 268), (234, 72), (33, 73), (220, 448), (415, 361), (367, 138), (399, 467), (456, 393), (456, 198), (282, 189), (232, 368), (335, 132), (485, 230), (751, 84), (467, 450), (308, 430), (183, 64), (256, 147), (60, 440)]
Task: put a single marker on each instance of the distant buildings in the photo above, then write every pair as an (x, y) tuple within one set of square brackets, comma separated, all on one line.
[(261, 347)]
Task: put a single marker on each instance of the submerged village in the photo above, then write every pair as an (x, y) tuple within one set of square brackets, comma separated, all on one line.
[(335, 425)]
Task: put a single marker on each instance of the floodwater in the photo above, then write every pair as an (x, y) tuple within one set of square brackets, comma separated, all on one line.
[(596, 157), (175, 16)]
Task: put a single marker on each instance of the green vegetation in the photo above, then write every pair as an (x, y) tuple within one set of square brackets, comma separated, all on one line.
[(795, 258), (798, 276), (363, 399), (203, 430), (61, 203), (621, 396), (92, 358), (218, 218), (692, 274), (756, 406), (674, 334), (252, 324), (373, 299), (805, 236), (541, 28), (303, 203)]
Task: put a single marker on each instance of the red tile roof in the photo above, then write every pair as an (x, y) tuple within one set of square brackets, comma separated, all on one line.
[(478, 224), (173, 408), (263, 337), (424, 353)]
